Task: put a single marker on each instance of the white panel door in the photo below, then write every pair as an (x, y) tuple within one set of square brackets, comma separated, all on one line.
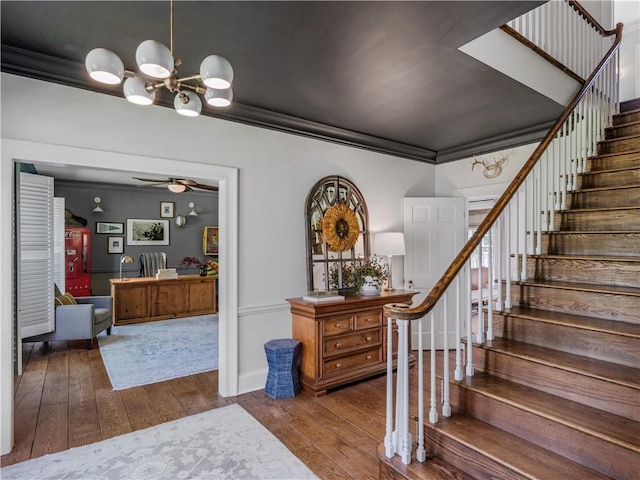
[(35, 255), (435, 231)]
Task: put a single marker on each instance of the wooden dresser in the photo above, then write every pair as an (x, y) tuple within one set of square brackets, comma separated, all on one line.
[(146, 299), (343, 341)]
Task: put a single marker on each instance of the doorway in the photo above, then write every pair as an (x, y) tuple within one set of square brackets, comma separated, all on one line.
[(71, 157)]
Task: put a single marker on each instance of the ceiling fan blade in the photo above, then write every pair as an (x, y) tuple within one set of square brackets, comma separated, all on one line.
[(156, 184), (205, 187), (155, 180)]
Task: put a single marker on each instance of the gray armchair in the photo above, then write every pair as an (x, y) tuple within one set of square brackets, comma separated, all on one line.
[(83, 321)]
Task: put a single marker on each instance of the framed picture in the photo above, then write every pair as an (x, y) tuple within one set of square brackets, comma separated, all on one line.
[(166, 209), (210, 241), (109, 227), (115, 245), (147, 232)]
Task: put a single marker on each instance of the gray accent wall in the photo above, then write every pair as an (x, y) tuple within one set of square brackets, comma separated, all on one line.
[(121, 202)]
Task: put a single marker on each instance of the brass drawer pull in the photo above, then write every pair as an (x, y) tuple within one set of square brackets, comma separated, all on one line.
[(338, 325), (338, 345), (338, 365), (368, 338), (368, 357)]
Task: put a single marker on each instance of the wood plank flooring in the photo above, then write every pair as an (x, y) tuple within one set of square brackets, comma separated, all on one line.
[(64, 399)]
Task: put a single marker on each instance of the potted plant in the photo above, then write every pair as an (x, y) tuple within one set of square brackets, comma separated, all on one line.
[(362, 276)]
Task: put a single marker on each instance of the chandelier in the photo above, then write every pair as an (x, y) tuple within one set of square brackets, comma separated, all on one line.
[(158, 68)]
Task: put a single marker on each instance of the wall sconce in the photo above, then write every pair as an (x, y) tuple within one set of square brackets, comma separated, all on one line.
[(193, 212), (388, 244), (181, 221), (97, 208), (125, 259)]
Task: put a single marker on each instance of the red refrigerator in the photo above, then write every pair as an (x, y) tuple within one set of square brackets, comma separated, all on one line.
[(77, 244)]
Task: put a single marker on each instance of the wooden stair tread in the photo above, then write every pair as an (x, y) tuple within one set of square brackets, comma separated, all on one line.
[(591, 232), (611, 170), (610, 155), (606, 371), (604, 189), (433, 468), (598, 258), (576, 321), (626, 137), (627, 124), (600, 209), (592, 421), (585, 287), (517, 454)]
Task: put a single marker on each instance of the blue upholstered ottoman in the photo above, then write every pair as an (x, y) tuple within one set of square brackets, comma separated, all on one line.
[(283, 357)]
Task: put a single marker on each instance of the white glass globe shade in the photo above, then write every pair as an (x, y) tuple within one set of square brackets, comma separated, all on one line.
[(219, 98), (154, 59), (135, 91), (216, 72), (191, 108), (104, 66)]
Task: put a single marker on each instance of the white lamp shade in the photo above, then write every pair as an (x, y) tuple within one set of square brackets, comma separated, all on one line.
[(219, 98), (191, 108), (154, 59), (104, 66), (177, 187), (389, 243), (135, 91), (216, 72)]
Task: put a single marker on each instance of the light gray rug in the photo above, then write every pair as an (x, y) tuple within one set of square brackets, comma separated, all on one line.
[(225, 443), (152, 352)]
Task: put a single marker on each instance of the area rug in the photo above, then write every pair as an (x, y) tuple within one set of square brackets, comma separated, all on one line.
[(225, 443), (152, 352)]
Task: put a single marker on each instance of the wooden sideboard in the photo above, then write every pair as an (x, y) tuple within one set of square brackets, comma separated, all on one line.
[(147, 299), (343, 341)]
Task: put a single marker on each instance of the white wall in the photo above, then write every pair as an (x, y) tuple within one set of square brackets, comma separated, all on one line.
[(456, 179), (276, 171)]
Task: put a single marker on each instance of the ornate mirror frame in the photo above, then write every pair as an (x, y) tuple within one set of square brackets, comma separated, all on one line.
[(329, 194)]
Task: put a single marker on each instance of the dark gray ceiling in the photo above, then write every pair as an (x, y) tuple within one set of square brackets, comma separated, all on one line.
[(385, 76)]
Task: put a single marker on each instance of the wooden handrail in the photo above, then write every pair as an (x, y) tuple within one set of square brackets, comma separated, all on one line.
[(587, 16), (404, 312)]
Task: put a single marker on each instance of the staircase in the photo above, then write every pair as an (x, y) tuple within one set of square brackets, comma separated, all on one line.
[(556, 394)]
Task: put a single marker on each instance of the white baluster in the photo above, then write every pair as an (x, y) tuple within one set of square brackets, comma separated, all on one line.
[(469, 324), (523, 233), (480, 321), (499, 268), (421, 454), (433, 411), (507, 252), (446, 405), (389, 448), (490, 285), (458, 371)]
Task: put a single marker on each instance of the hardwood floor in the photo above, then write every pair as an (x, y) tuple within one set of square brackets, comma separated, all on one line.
[(64, 399)]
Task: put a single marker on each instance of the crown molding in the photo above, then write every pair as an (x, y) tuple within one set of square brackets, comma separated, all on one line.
[(39, 66)]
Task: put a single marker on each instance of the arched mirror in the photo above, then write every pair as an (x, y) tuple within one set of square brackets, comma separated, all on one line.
[(337, 224)]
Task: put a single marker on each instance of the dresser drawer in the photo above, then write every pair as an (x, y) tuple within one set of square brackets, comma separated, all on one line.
[(336, 325), (336, 345), (350, 362), (372, 318)]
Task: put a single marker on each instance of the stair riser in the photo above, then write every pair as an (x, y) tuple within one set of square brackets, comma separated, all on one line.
[(626, 117), (605, 346), (621, 178), (607, 306), (617, 399), (536, 429), (618, 197), (622, 131), (466, 459), (599, 220), (609, 162), (629, 105), (599, 272), (618, 244), (619, 145)]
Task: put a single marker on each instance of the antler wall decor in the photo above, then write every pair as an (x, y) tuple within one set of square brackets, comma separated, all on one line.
[(491, 170)]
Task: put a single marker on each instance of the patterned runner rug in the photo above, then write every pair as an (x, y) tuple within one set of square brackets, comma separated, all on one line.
[(225, 443), (152, 352)]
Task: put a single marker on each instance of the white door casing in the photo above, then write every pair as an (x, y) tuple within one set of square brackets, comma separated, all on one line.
[(435, 231)]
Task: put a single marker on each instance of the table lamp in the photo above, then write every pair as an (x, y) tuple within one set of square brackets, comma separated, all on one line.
[(125, 259), (388, 244)]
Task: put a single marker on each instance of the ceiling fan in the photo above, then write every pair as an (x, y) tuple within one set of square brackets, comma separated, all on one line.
[(176, 185)]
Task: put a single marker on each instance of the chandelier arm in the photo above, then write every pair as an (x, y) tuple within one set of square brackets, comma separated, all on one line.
[(195, 88)]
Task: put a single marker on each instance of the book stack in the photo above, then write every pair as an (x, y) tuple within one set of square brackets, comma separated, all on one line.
[(166, 274), (322, 296)]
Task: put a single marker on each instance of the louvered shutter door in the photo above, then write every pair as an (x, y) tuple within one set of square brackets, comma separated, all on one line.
[(58, 243), (35, 255)]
